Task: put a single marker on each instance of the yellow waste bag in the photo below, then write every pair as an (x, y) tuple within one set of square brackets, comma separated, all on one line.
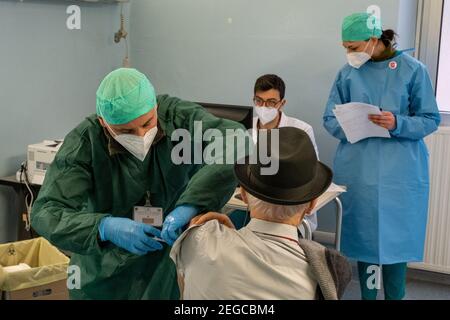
[(47, 264)]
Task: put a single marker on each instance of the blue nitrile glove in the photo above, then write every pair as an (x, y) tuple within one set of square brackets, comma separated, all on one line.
[(130, 235), (175, 221)]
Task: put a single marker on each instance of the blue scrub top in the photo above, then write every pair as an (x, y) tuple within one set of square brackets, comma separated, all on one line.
[(386, 206)]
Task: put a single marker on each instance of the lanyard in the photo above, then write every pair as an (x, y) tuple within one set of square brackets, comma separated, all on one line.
[(147, 200)]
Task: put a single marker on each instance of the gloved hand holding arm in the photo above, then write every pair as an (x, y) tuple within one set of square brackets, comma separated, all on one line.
[(176, 220), (204, 218), (130, 235)]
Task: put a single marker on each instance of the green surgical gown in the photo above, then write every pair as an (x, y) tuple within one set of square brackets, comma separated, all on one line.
[(91, 178)]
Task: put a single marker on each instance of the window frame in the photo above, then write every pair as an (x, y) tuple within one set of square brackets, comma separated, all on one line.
[(428, 40), (444, 8)]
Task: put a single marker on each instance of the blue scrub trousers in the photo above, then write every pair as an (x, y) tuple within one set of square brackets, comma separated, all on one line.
[(394, 281)]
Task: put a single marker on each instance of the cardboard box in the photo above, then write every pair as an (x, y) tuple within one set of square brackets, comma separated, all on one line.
[(52, 291), (46, 279)]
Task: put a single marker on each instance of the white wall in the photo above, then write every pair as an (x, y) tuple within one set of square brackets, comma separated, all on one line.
[(48, 78)]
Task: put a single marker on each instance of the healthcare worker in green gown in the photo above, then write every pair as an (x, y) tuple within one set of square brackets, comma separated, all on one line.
[(118, 159), (385, 208)]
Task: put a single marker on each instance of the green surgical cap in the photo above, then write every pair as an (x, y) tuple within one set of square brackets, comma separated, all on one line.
[(361, 27), (124, 95)]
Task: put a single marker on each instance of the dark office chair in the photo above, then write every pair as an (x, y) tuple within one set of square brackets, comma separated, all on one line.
[(241, 114)]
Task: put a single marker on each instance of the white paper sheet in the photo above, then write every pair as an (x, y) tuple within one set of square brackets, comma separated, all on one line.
[(335, 188), (354, 120)]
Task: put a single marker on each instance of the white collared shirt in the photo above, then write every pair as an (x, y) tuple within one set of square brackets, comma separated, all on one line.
[(257, 262), (286, 121)]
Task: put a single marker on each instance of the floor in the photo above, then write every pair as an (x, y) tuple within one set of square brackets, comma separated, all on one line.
[(420, 285)]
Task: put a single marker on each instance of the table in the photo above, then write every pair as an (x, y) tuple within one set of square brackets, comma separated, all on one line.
[(331, 195), (20, 191)]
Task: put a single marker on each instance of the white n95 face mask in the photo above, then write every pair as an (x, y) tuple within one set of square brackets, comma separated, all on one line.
[(138, 146), (266, 114), (358, 59)]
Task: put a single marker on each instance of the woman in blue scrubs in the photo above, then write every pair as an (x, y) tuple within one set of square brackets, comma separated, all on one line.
[(385, 208)]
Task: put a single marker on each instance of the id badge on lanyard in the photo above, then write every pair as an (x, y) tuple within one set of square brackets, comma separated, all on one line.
[(148, 214)]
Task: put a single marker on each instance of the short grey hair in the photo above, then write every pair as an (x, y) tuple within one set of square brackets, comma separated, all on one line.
[(274, 211)]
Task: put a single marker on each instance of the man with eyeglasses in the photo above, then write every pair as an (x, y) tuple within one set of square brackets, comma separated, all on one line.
[(269, 101)]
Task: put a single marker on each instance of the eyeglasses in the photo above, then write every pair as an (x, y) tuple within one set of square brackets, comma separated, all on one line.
[(271, 103)]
